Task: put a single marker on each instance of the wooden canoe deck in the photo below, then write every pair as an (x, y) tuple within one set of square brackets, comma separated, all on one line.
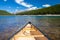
[(29, 32)]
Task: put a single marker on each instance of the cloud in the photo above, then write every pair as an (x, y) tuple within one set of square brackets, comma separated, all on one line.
[(28, 9), (5, 0), (21, 2), (32, 8), (46, 5), (29, 6)]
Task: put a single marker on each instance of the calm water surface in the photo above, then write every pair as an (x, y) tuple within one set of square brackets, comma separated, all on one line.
[(7, 22), (11, 24)]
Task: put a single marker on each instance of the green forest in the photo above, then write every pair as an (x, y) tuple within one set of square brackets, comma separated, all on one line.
[(2, 12)]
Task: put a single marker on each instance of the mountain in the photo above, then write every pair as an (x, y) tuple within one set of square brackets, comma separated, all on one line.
[(2, 12), (49, 10)]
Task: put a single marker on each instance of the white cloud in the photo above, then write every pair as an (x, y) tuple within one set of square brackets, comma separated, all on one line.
[(29, 6), (32, 8), (46, 5), (21, 2), (5, 0), (28, 9), (16, 10)]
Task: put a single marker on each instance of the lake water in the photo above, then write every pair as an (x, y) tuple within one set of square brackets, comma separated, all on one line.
[(11, 24)]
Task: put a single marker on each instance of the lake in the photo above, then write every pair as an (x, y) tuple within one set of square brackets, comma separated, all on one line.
[(10, 24)]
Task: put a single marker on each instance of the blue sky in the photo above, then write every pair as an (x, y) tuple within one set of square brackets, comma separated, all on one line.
[(22, 5)]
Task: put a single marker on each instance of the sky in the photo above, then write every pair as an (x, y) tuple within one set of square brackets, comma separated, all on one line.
[(25, 5)]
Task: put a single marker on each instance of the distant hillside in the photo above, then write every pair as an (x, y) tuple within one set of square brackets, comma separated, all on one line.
[(50, 10), (2, 12)]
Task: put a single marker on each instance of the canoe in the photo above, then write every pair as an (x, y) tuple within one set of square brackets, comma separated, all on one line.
[(29, 32)]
